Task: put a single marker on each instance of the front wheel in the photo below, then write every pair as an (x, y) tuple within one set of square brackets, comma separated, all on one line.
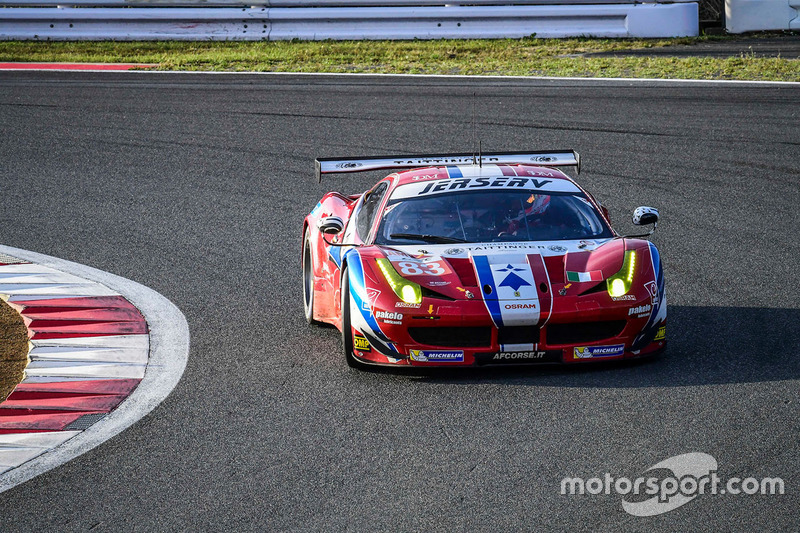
[(347, 329)]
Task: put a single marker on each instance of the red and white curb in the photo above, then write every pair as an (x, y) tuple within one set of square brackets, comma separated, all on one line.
[(104, 351), (92, 67)]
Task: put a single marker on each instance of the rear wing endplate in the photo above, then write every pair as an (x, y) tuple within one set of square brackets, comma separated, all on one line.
[(338, 165)]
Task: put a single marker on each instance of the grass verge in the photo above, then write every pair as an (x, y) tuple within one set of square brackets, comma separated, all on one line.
[(13, 349), (518, 57)]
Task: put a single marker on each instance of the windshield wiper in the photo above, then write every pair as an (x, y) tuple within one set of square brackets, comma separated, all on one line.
[(433, 239)]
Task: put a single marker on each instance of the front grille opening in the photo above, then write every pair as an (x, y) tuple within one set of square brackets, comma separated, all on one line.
[(452, 337), (428, 293), (581, 332), (518, 335)]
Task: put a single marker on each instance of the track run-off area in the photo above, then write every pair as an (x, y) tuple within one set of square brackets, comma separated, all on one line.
[(196, 185)]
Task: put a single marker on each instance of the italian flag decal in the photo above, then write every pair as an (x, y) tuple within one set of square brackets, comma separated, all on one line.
[(594, 275)]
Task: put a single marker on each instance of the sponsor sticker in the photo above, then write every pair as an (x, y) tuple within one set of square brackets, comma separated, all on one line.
[(652, 288), (407, 305), (640, 309), (483, 182), (519, 357), (361, 344), (520, 306), (513, 356), (372, 295), (348, 164), (390, 317), (538, 181), (661, 334), (436, 356), (589, 352), (624, 298)]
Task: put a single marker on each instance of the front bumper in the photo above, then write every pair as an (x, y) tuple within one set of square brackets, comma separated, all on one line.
[(461, 334)]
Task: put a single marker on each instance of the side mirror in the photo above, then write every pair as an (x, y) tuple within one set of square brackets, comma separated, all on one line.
[(332, 225), (642, 216)]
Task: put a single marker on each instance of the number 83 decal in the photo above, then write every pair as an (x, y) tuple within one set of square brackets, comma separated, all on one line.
[(418, 268)]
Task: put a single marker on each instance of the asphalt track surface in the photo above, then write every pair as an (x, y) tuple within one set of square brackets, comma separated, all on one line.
[(196, 186)]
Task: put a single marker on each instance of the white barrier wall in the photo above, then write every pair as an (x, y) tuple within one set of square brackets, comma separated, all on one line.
[(319, 23), (756, 15)]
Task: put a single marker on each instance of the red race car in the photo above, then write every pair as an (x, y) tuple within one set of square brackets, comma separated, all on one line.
[(479, 260)]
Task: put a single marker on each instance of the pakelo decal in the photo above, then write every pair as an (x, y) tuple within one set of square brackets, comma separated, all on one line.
[(390, 317)]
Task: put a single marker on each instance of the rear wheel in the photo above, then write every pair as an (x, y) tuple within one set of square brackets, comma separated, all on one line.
[(308, 280), (347, 330)]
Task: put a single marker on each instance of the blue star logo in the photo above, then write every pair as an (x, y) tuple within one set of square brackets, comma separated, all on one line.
[(513, 281)]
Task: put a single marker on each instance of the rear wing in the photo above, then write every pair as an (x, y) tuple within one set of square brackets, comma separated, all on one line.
[(338, 165)]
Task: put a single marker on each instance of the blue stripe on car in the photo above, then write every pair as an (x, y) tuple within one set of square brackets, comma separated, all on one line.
[(484, 272), (454, 172), (358, 291), (335, 253), (651, 328)]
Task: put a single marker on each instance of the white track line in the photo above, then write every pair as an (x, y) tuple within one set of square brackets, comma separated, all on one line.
[(169, 350), (666, 81)]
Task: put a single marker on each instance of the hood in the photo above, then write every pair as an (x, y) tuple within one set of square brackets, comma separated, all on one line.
[(453, 269), (515, 280)]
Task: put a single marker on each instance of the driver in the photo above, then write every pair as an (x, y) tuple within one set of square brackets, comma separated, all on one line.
[(533, 208)]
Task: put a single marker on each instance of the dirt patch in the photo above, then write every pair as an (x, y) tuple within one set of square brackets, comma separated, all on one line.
[(13, 349)]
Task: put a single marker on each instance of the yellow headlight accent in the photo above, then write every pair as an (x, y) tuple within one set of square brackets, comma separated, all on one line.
[(617, 288), (408, 294), (406, 290), (620, 283), (631, 265)]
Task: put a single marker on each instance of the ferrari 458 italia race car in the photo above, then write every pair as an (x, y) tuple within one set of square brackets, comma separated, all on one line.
[(479, 260)]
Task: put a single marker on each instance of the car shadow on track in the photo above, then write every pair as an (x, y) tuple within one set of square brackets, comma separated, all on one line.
[(706, 345)]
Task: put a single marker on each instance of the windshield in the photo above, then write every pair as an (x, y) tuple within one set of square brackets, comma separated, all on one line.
[(490, 216)]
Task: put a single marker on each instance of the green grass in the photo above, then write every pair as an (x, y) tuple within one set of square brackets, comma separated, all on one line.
[(520, 57), (13, 349)]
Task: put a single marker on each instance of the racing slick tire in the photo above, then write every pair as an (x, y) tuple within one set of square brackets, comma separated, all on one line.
[(347, 330), (308, 280)]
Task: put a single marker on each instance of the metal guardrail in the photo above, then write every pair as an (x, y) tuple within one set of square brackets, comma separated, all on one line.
[(308, 3), (319, 23)]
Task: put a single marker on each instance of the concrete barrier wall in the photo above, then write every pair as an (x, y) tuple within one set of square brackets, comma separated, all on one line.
[(756, 15)]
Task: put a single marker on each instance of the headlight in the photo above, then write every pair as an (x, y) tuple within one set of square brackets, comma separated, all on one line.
[(408, 291), (621, 282)]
